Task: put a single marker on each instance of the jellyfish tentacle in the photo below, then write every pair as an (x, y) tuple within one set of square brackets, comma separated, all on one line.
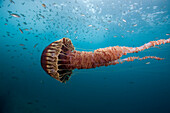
[(133, 58), (102, 56), (145, 46)]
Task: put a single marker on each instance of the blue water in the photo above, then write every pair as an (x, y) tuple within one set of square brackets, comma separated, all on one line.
[(131, 87)]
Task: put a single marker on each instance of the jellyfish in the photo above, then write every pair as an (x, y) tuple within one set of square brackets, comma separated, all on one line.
[(60, 57)]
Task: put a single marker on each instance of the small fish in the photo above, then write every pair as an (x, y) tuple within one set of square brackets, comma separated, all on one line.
[(21, 44), (7, 45), (106, 29), (134, 25), (26, 29), (15, 15), (119, 24), (21, 30), (44, 5), (82, 15), (9, 11), (19, 25), (156, 47), (41, 15), (35, 45), (147, 63), (12, 1), (123, 20), (168, 34), (89, 25), (23, 3), (29, 103), (55, 4), (24, 48), (25, 23), (22, 15)]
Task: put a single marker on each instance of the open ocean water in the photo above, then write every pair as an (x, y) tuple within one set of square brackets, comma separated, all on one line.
[(28, 26)]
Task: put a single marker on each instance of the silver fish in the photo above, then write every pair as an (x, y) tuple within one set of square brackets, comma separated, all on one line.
[(15, 15)]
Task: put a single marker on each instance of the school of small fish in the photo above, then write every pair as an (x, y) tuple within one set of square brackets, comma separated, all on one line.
[(38, 22)]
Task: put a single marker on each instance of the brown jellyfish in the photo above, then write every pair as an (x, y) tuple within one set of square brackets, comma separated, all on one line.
[(60, 58)]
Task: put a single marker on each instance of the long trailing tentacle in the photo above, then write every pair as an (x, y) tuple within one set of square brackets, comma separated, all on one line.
[(145, 46), (132, 59), (103, 56)]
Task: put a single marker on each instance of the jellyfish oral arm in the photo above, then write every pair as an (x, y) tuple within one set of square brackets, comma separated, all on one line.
[(110, 55), (132, 59), (148, 45), (100, 57)]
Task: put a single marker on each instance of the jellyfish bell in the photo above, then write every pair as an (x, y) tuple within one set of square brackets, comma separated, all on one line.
[(54, 59), (59, 58)]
